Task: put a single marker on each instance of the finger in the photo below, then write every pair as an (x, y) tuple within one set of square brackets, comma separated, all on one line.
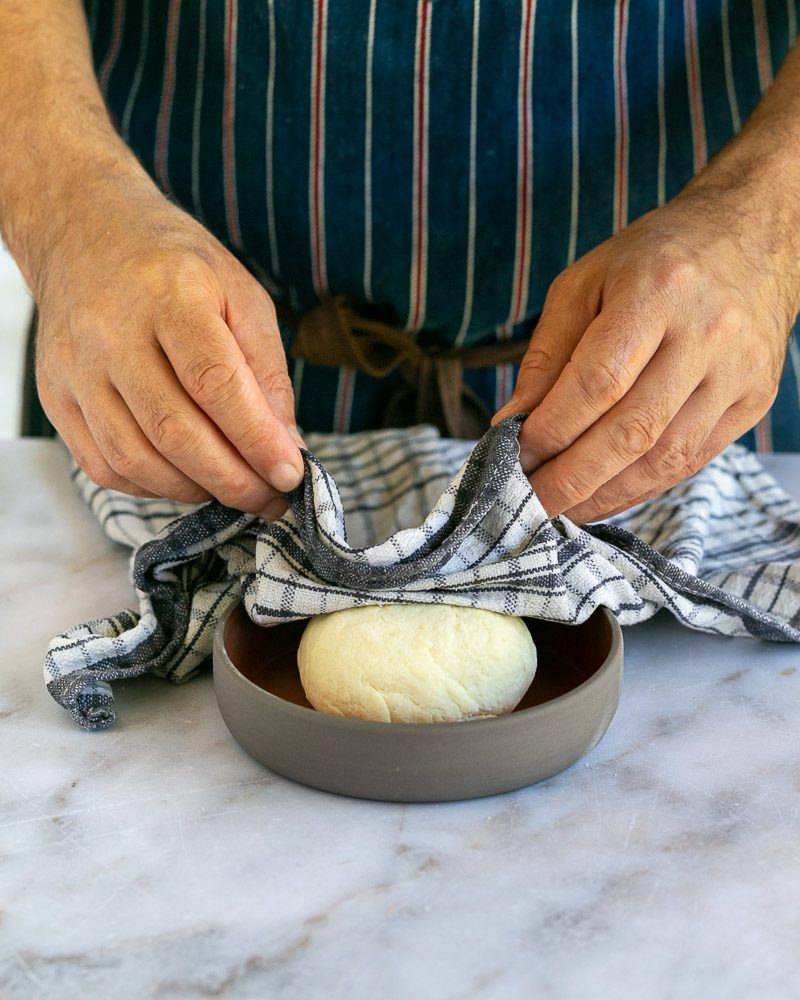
[(605, 515), (181, 432), (568, 310), (621, 437), (131, 455), (65, 415), (211, 367), (83, 448), (609, 358), (700, 430), (252, 320), (275, 509)]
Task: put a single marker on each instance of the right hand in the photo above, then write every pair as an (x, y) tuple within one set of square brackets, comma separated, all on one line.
[(159, 359)]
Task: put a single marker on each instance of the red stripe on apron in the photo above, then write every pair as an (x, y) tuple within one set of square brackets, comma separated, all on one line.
[(167, 95), (228, 126)]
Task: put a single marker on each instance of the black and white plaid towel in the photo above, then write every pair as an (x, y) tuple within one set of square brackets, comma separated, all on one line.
[(404, 516)]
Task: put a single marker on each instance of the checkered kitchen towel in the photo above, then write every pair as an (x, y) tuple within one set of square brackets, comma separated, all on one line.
[(405, 516)]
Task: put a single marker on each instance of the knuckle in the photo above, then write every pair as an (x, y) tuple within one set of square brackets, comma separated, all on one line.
[(172, 268), (770, 394), (94, 467), (696, 463), (601, 381), (674, 459), (262, 302), (244, 492), (122, 460), (732, 318), (637, 433), (563, 285), (536, 361), (172, 433), (607, 500), (103, 475), (274, 383), (570, 489), (758, 395), (189, 264), (675, 275), (130, 465), (762, 399), (258, 436), (212, 380), (55, 402), (550, 432), (172, 277)]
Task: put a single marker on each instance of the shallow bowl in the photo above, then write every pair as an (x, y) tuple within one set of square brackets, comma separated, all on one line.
[(565, 712)]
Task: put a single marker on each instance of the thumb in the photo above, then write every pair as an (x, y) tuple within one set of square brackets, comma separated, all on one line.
[(567, 313)]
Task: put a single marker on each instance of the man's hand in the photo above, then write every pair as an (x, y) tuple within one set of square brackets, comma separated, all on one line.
[(158, 355), (665, 343), (159, 359), (653, 352)]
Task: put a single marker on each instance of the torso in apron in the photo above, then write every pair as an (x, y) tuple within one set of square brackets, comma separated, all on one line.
[(444, 158)]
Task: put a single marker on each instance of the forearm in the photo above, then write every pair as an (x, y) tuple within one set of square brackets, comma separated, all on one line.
[(758, 174), (769, 143), (57, 144)]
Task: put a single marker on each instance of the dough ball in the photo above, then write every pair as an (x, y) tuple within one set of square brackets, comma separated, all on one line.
[(416, 663)]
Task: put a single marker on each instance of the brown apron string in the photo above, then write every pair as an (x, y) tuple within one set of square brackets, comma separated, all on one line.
[(432, 390)]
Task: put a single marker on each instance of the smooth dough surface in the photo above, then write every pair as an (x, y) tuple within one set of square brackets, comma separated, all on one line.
[(416, 663)]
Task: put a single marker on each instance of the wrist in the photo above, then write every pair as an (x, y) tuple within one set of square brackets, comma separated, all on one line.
[(752, 191), (63, 202)]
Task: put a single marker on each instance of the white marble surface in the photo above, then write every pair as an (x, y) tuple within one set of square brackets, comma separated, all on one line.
[(160, 861)]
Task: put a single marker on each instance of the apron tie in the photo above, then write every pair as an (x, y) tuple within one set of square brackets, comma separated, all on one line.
[(338, 334)]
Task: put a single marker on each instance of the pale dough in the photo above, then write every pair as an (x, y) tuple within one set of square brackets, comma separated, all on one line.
[(416, 663)]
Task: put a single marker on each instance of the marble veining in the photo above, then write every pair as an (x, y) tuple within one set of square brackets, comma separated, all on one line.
[(158, 860)]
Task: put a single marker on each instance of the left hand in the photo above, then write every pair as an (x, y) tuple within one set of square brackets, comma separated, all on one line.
[(654, 351)]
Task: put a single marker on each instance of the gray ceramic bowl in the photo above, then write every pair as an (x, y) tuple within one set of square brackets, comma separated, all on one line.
[(566, 711)]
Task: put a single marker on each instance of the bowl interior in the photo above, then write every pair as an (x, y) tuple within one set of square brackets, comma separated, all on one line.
[(567, 655)]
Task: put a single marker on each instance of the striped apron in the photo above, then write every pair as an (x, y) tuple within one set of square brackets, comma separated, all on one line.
[(442, 159)]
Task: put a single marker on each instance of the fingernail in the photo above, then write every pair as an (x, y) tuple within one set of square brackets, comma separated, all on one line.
[(274, 509), (505, 410), (501, 414), (286, 477)]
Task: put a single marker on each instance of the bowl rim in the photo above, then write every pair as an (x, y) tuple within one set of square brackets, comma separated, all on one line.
[(613, 660)]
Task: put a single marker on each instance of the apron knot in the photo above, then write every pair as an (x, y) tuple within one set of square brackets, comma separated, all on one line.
[(341, 333)]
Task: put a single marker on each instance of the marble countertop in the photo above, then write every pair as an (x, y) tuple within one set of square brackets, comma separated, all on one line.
[(155, 861)]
